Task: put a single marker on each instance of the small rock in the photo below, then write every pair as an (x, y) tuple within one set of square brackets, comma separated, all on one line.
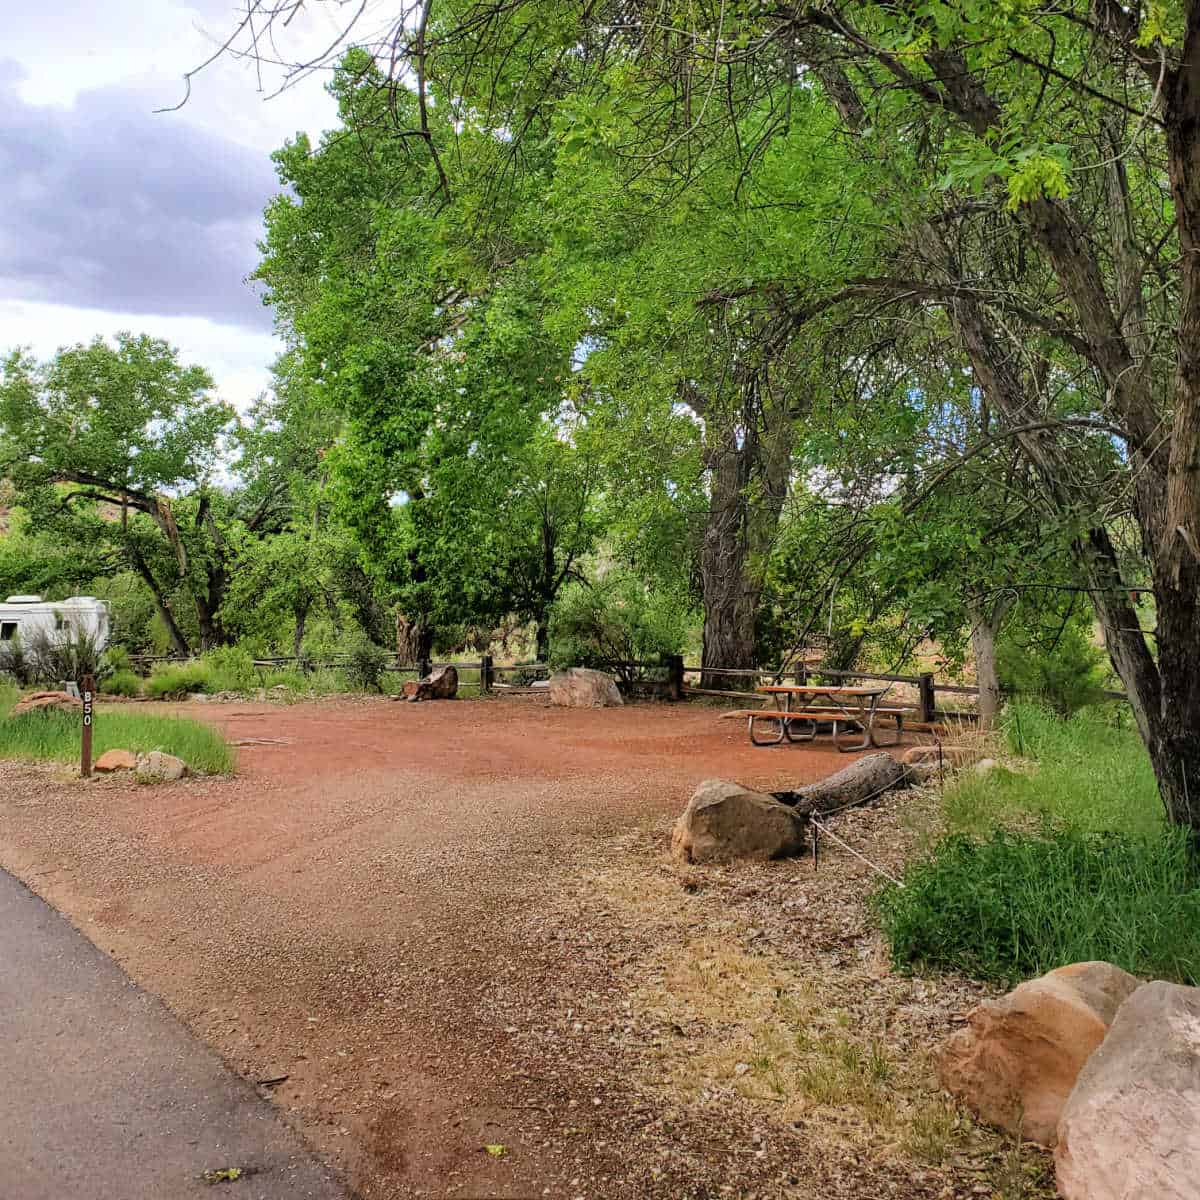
[(159, 767), (951, 756), (1131, 1127), (1017, 1060), (115, 760)]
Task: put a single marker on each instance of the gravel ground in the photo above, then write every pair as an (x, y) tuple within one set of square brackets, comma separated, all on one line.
[(453, 927)]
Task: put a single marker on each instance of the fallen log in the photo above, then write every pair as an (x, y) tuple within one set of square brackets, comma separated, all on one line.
[(856, 784)]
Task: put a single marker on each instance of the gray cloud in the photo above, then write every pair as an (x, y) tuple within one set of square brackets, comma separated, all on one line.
[(107, 205)]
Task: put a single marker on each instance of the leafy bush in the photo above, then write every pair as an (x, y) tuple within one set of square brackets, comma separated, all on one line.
[(116, 658), (15, 663), (1067, 673), (365, 665), (617, 620), (1017, 905), (173, 681), (231, 669), (122, 683)]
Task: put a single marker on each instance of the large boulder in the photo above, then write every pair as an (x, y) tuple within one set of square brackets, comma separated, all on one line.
[(1131, 1128), (724, 821), (1018, 1057), (46, 702), (581, 687), (440, 684)]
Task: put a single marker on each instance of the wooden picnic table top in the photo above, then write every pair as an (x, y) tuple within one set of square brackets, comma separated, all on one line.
[(818, 690)]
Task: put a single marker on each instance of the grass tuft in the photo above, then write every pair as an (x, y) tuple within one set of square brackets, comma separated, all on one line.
[(55, 737), (1017, 905)]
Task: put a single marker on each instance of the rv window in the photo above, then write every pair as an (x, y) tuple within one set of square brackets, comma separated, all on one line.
[(8, 631)]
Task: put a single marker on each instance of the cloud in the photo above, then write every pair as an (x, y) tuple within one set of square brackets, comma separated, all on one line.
[(109, 206), (237, 358)]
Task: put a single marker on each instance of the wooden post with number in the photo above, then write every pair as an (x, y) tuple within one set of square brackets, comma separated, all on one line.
[(85, 754)]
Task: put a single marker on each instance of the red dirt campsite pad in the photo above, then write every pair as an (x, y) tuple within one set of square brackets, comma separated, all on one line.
[(374, 907)]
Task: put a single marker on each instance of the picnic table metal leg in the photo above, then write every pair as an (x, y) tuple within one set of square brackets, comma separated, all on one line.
[(782, 723)]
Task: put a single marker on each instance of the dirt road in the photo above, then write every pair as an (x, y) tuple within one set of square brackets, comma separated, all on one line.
[(374, 908)]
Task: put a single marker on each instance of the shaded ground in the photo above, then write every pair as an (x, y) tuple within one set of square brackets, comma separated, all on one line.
[(106, 1094), (452, 927)]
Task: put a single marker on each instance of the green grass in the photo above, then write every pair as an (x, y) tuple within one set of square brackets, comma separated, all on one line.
[(1092, 773), (1016, 905), (55, 736), (1065, 860)]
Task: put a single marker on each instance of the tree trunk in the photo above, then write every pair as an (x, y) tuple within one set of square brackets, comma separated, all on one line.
[(749, 462), (414, 640), (986, 620), (178, 641), (543, 638), (861, 781), (301, 620)]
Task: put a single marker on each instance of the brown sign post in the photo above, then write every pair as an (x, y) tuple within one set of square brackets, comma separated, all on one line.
[(85, 755)]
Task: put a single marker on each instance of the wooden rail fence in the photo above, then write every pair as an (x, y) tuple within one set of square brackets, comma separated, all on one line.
[(667, 677)]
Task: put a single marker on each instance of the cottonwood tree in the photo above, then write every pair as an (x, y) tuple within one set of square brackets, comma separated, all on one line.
[(1036, 170)]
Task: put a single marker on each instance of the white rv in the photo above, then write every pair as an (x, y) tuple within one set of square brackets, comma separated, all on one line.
[(24, 616)]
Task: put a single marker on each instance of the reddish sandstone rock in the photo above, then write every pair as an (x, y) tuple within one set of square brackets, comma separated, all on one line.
[(1131, 1128), (724, 821), (46, 702), (115, 760), (1018, 1058)]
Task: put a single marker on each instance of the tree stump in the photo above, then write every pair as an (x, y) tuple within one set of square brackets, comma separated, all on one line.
[(440, 684)]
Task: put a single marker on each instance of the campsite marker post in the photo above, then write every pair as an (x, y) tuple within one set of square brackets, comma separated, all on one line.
[(85, 757)]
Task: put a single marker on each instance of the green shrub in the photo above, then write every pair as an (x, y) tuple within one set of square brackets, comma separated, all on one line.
[(55, 736), (15, 663), (1067, 674), (231, 669), (619, 619), (122, 683), (1017, 905), (173, 681), (115, 659), (364, 666)]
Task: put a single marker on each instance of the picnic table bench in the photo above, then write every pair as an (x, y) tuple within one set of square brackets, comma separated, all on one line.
[(810, 705)]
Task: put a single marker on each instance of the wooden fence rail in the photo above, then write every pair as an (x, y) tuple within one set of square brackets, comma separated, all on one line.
[(666, 677)]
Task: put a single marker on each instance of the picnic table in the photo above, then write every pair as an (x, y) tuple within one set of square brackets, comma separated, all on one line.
[(810, 705)]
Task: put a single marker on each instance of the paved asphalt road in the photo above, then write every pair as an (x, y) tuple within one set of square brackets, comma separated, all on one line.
[(105, 1096)]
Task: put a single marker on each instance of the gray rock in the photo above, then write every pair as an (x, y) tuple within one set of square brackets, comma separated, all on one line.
[(1131, 1127), (157, 767)]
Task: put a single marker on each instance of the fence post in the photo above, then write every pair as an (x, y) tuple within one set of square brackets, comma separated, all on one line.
[(675, 676), (928, 697), (802, 674), (485, 673), (424, 668)]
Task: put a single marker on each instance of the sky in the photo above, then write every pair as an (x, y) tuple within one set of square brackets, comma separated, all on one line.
[(115, 217)]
